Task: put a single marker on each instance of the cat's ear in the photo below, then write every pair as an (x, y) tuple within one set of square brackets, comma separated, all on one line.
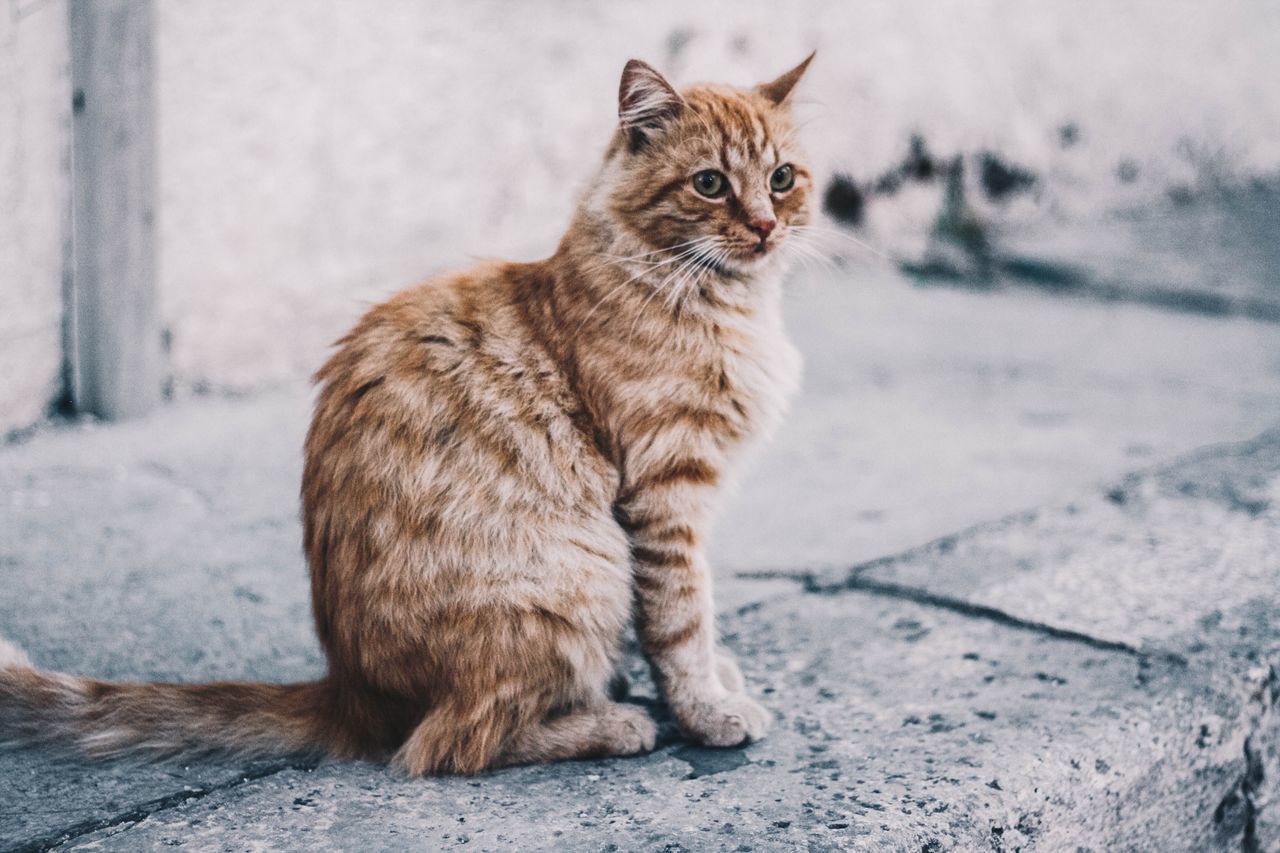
[(778, 90), (646, 101)]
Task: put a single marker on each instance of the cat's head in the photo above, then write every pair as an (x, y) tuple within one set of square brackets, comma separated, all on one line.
[(711, 173)]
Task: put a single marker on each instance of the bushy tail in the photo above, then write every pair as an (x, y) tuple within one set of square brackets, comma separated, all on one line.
[(108, 719)]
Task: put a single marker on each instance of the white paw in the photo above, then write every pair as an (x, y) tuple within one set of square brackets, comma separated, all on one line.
[(729, 720), (728, 672)]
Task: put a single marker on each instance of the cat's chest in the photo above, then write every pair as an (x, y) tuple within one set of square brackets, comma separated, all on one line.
[(760, 374), (727, 391)]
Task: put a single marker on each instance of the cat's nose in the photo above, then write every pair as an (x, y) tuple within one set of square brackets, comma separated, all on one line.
[(763, 227)]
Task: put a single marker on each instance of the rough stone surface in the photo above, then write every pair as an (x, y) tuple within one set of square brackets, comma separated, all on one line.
[(964, 695), (1179, 558), (1178, 564), (897, 727)]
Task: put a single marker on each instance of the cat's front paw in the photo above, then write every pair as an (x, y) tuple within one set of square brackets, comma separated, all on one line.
[(728, 720)]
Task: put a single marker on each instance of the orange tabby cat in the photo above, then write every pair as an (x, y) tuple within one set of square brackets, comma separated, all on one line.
[(505, 464)]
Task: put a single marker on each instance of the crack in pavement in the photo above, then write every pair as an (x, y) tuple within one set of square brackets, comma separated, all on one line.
[(1246, 795), (917, 595), (144, 810), (1240, 813), (1239, 810)]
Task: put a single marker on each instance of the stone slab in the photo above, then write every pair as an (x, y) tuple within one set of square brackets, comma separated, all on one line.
[(897, 727)]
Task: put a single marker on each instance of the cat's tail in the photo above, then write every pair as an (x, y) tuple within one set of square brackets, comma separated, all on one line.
[(105, 719)]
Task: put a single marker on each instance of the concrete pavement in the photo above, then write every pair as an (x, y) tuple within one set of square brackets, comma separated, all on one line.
[(1086, 664)]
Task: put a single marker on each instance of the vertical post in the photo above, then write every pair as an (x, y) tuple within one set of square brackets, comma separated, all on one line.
[(115, 350)]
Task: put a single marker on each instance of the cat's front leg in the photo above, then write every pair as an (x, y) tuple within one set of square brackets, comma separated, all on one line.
[(728, 671), (675, 613)]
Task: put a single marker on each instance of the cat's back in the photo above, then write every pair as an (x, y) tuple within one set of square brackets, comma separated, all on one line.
[(452, 371), (447, 472)]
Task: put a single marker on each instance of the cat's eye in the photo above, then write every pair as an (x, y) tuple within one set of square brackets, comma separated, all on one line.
[(782, 179), (710, 183)]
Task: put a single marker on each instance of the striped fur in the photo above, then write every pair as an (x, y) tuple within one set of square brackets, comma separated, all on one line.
[(508, 464)]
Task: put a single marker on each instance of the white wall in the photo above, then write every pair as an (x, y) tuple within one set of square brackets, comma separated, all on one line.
[(35, 103), (317, 155)]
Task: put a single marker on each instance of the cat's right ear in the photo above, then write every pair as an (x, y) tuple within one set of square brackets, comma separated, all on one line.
[(646, 102)]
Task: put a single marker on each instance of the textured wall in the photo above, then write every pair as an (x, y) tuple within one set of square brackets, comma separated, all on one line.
[(34, 122), (317, 154)]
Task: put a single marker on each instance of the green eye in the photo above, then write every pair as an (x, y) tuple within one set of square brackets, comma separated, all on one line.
[(710, 183), (782, 179)]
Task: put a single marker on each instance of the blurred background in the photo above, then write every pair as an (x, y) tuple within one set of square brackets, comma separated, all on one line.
[(311, 157)]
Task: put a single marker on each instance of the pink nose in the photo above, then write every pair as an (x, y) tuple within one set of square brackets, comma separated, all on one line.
[(763, 227)]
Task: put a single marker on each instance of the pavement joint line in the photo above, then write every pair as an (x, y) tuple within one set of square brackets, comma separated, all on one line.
[(945, 543), (854, 583), (144, 810), (991, 614), (1114, 490)]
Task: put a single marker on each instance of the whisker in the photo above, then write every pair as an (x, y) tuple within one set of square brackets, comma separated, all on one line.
[(810, 255), (660, 249), (690, 279), (710, 267), (699, 252), (643, 272), (831, 232), (637, 258), (682, 270), (640, 313), (801, 246), (689, 264)]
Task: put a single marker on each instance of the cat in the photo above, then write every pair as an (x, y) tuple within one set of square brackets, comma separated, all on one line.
[(505, 465)]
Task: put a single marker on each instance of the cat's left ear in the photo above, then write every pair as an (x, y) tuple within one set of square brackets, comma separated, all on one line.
[(646, 101), (778, 90)]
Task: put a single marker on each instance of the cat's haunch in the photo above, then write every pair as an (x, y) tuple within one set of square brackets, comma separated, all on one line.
[(506, 464)]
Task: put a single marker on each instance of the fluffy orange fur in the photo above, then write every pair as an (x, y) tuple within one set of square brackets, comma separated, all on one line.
[(507, 464)]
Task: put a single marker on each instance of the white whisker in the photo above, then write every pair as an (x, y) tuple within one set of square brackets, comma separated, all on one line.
[(700, 268), (651, 267), (831, 232), (683, 270), (621, 259)]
